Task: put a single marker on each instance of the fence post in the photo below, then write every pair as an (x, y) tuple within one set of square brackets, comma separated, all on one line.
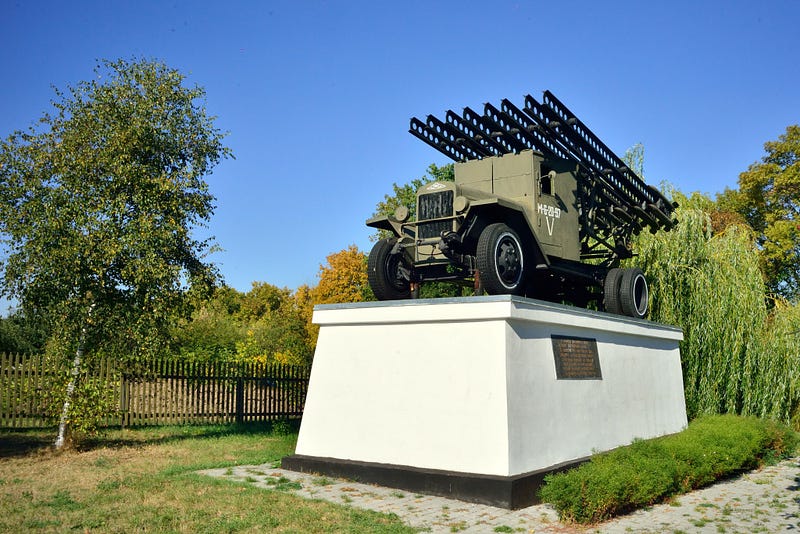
[(239, 400), (124, 401)]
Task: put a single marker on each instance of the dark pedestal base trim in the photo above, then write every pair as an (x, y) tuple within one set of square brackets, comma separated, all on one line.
[(513, 492)]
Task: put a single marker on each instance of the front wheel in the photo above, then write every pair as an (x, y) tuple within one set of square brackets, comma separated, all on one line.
[(500, 260), (388, 273)]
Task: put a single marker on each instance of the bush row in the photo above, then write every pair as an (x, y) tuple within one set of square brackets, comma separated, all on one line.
[(650, 471)]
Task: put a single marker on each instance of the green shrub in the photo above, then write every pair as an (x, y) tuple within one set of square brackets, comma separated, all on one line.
[(647, 472)]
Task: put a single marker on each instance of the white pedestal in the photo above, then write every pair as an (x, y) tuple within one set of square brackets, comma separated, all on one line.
[(464, 392)]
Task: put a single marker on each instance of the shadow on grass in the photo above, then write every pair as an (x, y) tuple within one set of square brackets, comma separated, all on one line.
[(24, 442)]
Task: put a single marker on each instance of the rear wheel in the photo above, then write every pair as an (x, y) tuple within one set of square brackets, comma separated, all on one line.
[(388, 273), (611, 291), (633, 293), (499, 260)]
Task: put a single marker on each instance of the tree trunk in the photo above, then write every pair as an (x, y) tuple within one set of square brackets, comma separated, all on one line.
[(76, 369)]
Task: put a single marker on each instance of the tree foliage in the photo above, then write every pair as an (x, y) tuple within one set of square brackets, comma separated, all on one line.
[(343, 278), (273, 326), (21, 334), (304, 300), (738, 356), (768, 199), (698, 281), (269, 324), (97, 206), (212, 330), (266, 325), (262, 300), (634, 158)]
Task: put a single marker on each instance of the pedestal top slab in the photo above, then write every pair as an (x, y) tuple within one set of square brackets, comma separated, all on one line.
[(493, 307)]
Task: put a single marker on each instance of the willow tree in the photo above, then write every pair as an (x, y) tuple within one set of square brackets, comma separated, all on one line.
[(98, 203), (710, 285)]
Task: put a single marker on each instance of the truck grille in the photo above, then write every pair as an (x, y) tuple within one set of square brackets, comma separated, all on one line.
[(435, 206)]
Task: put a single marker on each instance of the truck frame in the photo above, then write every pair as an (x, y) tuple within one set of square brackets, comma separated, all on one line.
[(540, 207)]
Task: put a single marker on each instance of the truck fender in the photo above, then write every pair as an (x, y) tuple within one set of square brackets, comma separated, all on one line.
[(386, 222), (493, 210)]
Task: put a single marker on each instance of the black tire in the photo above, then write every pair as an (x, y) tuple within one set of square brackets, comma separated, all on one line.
[(611, 286), (384, 272), (633, 293), (500, 260)]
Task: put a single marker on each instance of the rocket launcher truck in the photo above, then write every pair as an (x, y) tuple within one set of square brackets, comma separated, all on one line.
[(540, 207)]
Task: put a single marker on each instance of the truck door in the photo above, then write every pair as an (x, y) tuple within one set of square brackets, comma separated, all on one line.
[(556, 211)]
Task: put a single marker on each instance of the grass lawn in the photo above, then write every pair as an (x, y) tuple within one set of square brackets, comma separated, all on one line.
[(143, 480)]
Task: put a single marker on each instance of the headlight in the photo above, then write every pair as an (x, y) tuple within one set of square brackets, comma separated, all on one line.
[(401, 214), (460, 204)]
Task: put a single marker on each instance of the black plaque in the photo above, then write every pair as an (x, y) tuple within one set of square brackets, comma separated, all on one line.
[(576, 358)]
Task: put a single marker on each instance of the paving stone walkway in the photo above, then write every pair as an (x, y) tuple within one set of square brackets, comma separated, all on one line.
[(766, 500)]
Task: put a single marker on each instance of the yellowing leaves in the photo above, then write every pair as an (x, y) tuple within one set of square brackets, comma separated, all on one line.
[(343, 278), (269, 324)]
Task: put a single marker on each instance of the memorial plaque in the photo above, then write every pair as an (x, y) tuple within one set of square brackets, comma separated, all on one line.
[(576, 358)]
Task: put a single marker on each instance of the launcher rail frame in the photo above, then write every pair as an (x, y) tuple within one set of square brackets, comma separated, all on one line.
[(613, 201)]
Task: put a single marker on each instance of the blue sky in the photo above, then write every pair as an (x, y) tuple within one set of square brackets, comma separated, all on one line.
[(316, 96)]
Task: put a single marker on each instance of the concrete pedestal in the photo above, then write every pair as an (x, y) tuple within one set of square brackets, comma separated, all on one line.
[(478, 398)]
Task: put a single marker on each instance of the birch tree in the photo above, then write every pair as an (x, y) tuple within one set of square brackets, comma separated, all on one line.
[(98, 203)]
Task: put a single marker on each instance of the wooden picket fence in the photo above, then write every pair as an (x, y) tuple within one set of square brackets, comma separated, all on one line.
[(163, 392)]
